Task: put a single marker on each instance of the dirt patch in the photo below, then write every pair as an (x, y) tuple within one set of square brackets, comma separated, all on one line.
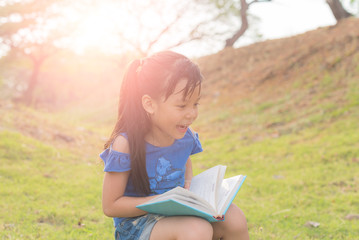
[(266, 67)]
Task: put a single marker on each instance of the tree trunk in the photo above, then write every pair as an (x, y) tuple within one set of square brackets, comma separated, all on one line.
[(244, 26), (337, 9)]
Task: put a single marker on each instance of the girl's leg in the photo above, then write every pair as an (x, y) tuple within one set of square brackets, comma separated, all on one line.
[(182, 228), (234, 226)]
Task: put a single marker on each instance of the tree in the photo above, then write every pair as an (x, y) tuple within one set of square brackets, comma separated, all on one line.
[(338, 10), (244, 21), (38, 29), (170, 24), (30, 29), (229, 10), (166, 24)]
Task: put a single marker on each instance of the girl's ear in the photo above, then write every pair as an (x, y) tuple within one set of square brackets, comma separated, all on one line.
[(148, 104)]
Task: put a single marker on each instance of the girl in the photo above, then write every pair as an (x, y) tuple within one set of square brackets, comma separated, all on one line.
[(149, 149)]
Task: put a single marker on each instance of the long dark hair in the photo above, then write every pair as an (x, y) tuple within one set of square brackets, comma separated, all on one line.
[(155, 76)]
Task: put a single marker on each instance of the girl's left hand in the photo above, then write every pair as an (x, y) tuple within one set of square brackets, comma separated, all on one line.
[(187, 184)]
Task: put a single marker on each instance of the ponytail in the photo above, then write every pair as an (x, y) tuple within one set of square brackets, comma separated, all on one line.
[(132, 119)]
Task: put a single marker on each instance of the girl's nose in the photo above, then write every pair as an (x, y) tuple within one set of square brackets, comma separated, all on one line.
[(192, 113)]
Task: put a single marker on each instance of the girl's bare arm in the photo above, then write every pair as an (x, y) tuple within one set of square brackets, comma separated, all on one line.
[(114, 204)]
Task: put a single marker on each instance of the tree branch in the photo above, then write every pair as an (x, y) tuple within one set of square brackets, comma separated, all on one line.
[(164, 30), (256, 1), (244, 25)]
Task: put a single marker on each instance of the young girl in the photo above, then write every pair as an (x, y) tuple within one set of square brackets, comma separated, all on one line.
[(149, 152)]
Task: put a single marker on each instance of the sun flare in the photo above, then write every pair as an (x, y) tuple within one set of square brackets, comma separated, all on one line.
[(109, 26), (97, 28)]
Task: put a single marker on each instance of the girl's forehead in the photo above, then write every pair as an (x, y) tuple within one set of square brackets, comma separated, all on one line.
[(183, 90), (180, 86), (181, 94)]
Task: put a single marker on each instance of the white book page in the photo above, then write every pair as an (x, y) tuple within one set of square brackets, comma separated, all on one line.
[(228, 189), (205, 184), (219, 186)]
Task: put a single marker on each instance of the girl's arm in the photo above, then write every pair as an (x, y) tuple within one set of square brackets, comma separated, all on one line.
[(188, 174), (114, 204)]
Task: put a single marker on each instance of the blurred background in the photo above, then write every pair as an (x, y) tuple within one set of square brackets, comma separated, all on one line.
[(280, 104), (54, 53)]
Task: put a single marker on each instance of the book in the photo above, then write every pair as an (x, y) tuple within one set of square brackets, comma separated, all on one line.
[(209, 196)]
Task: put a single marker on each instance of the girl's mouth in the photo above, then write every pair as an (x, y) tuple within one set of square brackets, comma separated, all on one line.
[(182, 128)]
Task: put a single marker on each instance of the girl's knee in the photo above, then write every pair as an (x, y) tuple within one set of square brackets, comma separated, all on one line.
[(236, 220), (198, 229), (182, 228)]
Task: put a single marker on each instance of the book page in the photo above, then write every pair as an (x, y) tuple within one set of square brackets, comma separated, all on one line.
[(229, 189), (219, 185), (205, 184)]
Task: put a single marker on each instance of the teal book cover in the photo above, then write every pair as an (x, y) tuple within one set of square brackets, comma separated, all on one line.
[(173, 207)]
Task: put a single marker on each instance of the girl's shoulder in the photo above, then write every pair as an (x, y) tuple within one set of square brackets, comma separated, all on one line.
[(116, 158), (120, 144)]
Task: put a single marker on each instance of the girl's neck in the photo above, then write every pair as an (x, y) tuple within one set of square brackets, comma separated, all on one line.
[(159, 139)]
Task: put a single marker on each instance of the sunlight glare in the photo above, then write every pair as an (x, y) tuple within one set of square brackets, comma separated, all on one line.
[(97, 29), (110, 27)]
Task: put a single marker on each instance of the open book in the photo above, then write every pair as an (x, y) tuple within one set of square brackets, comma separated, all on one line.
[(209, 196)]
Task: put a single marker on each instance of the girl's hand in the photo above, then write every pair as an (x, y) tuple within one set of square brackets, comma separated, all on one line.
[(187, 184), (188, 174)]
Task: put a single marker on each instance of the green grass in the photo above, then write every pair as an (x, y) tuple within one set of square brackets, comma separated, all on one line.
[(302, 168), (299, 150), (48, 193), (310, 176)]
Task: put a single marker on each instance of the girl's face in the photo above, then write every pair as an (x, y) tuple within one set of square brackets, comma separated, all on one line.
[(172, 117)]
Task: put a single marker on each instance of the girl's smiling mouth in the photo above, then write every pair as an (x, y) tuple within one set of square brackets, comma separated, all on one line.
[(182, 128)]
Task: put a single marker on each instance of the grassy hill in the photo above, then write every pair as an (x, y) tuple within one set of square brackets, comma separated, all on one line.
[(284, 112)]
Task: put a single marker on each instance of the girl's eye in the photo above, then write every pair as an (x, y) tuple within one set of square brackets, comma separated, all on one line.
[(181, 106), (196, 104)]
